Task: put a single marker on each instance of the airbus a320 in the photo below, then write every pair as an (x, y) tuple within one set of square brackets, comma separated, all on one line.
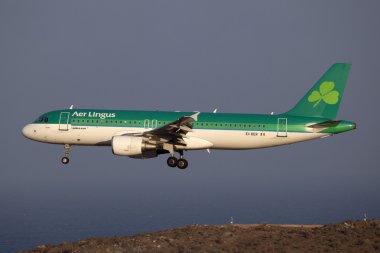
[(147, 134)]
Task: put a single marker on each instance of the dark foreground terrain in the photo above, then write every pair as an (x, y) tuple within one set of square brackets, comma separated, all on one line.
[(349, 236)]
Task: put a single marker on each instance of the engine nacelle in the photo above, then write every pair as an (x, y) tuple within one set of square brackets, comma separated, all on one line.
[(132, 146)]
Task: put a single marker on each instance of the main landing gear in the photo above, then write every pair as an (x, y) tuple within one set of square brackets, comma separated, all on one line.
[(181, 163), (65, 159)]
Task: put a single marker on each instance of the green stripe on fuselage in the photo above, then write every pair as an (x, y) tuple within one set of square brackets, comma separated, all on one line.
[(211, 121)]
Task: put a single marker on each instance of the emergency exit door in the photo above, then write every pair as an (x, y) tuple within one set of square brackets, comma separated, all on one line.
[(282, 127)]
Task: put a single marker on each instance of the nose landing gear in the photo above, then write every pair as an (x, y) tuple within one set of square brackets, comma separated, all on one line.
[(65, 159)]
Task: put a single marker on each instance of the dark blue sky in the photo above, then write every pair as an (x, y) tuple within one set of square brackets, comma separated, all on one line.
[(237, 56)]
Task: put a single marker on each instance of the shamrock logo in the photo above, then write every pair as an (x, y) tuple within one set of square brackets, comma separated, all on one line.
[(326, 93)]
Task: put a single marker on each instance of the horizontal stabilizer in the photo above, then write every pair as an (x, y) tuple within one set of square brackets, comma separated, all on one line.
[(325, 124)]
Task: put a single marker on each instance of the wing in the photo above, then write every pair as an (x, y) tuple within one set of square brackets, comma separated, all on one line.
[(173, 132), (170, 134)]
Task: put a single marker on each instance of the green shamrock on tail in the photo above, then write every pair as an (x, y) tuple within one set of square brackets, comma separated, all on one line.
[(326, 93)]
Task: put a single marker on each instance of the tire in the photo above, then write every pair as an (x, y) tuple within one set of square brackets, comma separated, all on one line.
[(172, 161), (182, 164), (65, 160)]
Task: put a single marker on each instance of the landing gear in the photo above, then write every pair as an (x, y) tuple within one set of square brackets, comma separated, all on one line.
[(172, 161), (65, 159), (181, 163)]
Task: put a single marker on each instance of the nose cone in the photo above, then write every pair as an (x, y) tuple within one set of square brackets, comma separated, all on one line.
[(27, 131)]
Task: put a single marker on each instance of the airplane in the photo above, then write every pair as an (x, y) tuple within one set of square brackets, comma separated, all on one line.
[(147, 134)]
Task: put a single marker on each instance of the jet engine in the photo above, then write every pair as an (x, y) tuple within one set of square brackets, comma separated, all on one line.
[(134, 147)]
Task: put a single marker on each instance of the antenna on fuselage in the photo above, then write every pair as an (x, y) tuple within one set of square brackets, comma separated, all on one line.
[(71, 107)]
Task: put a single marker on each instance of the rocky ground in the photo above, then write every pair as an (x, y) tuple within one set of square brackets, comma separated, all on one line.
[(349, 236)]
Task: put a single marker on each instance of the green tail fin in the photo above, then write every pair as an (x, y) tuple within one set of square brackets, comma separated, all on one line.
[(324, 98)]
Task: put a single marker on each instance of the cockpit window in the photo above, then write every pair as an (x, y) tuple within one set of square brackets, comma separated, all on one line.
[(42, 120)]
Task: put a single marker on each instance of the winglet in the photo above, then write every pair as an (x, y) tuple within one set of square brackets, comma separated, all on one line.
[(71, 107), (195, 116)]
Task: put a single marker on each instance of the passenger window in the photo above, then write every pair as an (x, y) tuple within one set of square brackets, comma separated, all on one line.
[(46, 120)]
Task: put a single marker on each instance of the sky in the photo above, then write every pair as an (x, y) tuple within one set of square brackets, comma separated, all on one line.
[(237, 56)]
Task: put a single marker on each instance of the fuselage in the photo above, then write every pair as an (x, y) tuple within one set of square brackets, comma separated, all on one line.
[(147, 134), (216, 130)]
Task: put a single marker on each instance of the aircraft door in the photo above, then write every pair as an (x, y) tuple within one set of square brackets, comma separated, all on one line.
[(282, 127), (154, 123), (64, 121), (146, 123)]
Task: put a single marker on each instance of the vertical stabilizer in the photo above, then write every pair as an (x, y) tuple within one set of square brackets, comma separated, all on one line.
[(324, 98)]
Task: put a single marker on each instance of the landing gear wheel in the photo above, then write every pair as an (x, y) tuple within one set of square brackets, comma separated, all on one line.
[(182, 164), (172, 161), (65, 160)]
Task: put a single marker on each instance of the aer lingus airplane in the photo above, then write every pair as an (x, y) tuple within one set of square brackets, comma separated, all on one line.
[(147, 134)]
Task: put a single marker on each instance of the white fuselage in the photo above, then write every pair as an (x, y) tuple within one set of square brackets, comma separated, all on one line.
[(211, 138)]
